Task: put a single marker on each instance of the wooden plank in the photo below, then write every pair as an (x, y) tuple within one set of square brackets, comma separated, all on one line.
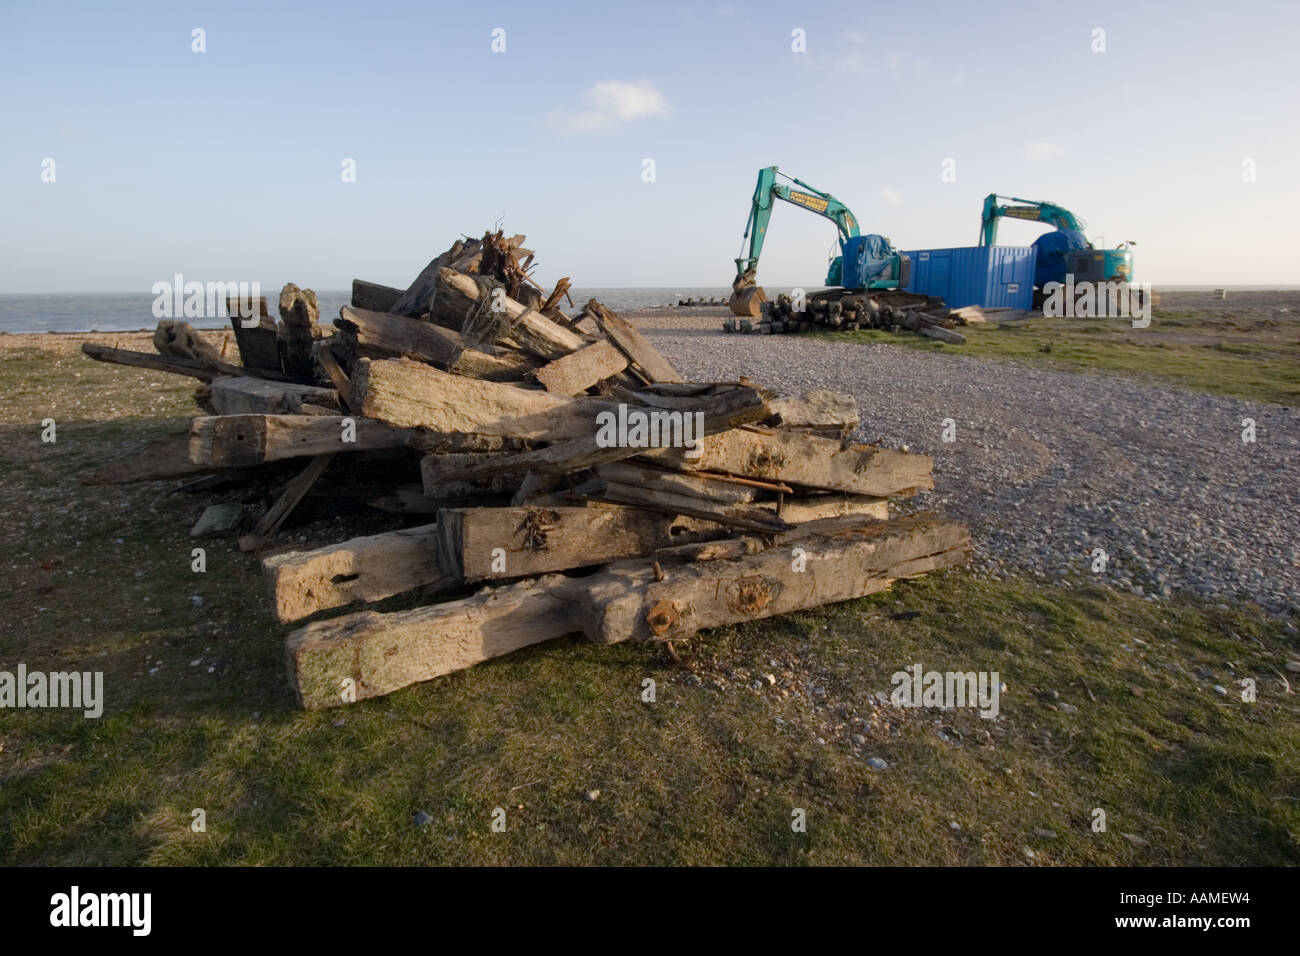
[(373, 296), (361, 569), (418, 298), (574, 373), (294, 490), (412, 394), (487, 543), (808, 460), (386, 335), (655, 478), (368, 654), (329, 363), (227, 441), (255, 396), (633, 603), (633, 344)]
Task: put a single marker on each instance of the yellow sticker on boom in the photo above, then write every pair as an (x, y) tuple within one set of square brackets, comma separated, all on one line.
[(815, 203)]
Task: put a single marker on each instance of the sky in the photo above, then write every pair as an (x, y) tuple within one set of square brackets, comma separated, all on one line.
[(625, 139)]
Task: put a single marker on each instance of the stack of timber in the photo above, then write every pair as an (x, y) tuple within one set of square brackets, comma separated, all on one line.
[(890, 310), (558, 476)]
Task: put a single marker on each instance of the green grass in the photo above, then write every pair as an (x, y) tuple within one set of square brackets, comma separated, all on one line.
[(708, 773), (1176, 350)]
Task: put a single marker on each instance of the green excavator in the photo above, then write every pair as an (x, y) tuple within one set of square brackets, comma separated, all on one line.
[(864, 262), (1065, 251)]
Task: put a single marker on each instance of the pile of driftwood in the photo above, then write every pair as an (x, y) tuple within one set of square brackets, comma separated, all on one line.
[(839, 309), (526, 444)]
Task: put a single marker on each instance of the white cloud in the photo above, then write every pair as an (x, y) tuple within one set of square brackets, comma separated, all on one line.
[(1043, 151), (610, 102), (891, 197)]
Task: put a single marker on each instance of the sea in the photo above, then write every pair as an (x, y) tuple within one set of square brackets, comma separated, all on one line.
[(133, 312)]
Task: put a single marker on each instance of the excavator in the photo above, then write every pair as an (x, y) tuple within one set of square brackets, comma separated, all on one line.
[(864, 262), (1067, 250)]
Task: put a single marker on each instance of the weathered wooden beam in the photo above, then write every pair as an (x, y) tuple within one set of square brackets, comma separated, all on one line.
[(808, 460), (533, 331), (418, 298), (255, 396), (361, 569), (385, 335), (721, 412), (645, 475), (227, 441), (373, 296), (180, 340), (574, 373), (408, 393), (297, 331), (496, 543), (257, 340), (819, 410), (743, 516), (633, 344), (369, 654), (798, 509), (635, 603), (204, 371)]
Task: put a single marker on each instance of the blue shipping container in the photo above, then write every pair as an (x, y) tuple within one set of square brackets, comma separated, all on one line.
[(994, 277)]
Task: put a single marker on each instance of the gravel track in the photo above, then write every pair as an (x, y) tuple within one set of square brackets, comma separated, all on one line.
[(1049, 465)]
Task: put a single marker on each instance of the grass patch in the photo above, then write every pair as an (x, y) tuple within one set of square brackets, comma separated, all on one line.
[(199, 715), (1259, 362)]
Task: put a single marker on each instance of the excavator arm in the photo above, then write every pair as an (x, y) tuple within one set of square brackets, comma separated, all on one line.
[(766, 192), (1030, 210)]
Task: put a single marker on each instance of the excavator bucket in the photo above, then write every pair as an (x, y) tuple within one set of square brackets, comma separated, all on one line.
[(747, 297)]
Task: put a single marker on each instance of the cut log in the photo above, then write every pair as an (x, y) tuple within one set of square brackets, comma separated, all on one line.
[(631, 604), (412, 394), (227, 441), (362, 569), (385, 335), (576, 372), (257, 340), (632, 344), (808, 460), (256, 396), (483, 543), (180, 340), (832, 414), (368, 654), (533, 331), (373, 296)]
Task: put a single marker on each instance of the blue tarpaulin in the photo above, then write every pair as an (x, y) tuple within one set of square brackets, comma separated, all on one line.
[(1053, 251)]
